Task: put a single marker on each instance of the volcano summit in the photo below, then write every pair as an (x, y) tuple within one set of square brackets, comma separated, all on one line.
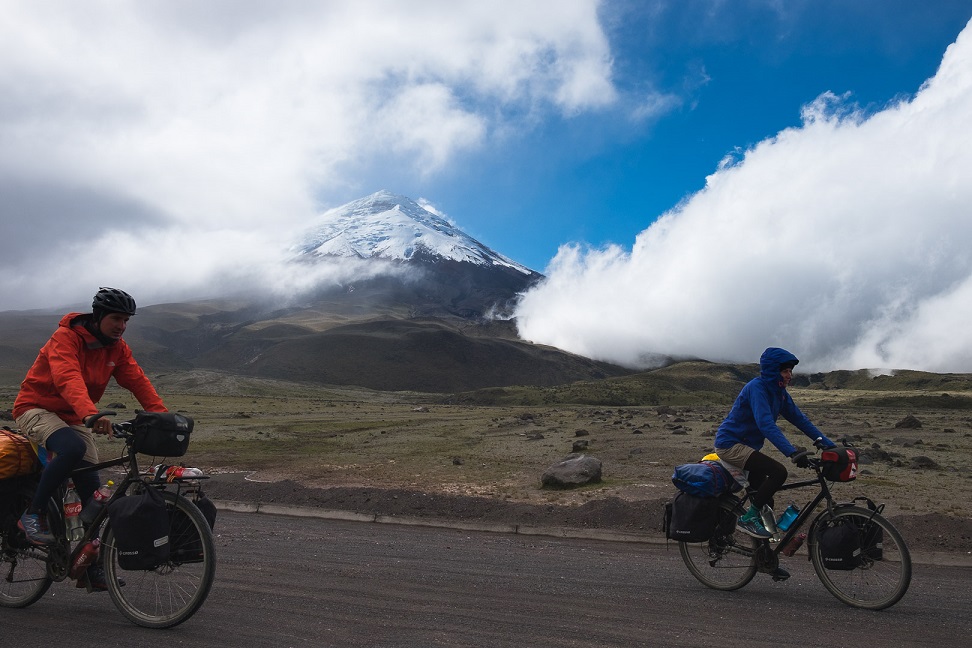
[(419, 258)]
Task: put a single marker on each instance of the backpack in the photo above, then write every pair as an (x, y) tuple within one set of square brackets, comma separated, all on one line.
[(704, 479), (17, 456), (689, 518), (140, 524), (840, 544), (839, 464)]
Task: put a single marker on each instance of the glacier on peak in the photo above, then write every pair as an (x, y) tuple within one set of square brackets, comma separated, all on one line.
[(388, 226)]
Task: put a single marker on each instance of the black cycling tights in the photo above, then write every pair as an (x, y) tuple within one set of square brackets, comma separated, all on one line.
[(68, 449), (766, 475)]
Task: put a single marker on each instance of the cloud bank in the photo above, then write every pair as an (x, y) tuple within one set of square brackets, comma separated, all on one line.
[(176, 144), (845, 240)]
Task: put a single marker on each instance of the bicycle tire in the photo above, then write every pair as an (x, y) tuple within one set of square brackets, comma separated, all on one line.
[(884, 572), (172, 592), (725, 562), (24, 577)]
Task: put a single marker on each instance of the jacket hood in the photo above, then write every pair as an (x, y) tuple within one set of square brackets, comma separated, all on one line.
[(770, 361), (76, 322)]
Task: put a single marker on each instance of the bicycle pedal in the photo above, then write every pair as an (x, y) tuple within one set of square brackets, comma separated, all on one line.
[(780, 574)]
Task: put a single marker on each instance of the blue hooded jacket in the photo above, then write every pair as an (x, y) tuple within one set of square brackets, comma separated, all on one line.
[(752, 419)]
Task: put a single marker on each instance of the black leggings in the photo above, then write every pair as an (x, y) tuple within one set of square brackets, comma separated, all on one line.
[(766, 475), (68, 449)]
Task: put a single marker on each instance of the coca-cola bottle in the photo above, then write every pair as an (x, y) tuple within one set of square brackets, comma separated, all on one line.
[(85, 558), (791, 547), (96, 503), (73, 529)]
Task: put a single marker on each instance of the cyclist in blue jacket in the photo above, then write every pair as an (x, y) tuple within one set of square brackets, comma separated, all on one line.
[(751, 422)]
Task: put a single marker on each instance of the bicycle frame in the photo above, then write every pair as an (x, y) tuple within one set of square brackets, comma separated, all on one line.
[(58, 567), (160, 594), (874, 577), (807, 511)]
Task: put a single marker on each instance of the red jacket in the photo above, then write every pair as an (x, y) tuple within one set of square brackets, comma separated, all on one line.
[(72, 371)]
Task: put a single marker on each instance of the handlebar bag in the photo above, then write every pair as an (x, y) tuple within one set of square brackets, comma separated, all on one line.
[(140, 524), (162, 434), (839, 464), (840, 544)]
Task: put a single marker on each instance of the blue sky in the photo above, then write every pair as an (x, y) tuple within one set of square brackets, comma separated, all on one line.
[(697, 178), (737, 72)]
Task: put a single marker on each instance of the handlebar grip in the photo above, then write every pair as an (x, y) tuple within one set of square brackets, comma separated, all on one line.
[(94, 417)]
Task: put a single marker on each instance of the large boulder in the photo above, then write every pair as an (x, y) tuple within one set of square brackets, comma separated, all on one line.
[(908, 422), (574, 470)]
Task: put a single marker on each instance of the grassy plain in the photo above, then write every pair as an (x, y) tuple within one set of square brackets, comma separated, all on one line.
[(468, 444)]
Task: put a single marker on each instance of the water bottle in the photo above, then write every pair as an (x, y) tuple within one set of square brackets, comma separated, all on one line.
[(96, 503), (788, 516), (85, 558), (72, 514), (791, 547), (769, 520)]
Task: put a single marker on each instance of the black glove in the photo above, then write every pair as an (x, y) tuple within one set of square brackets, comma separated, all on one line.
[(801, 458)]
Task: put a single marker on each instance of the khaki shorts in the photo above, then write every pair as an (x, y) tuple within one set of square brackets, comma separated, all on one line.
[(38, 424), (737, 455)]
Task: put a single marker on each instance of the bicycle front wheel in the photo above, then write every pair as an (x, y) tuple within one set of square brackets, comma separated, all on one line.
[(172, 592), (880, 572), (727, 561), (24, 578)]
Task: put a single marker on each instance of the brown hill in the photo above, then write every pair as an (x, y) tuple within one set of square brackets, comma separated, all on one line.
[(340, 340), (430, 355)]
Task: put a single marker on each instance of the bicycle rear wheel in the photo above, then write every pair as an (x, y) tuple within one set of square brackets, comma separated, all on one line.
[(172, 592), (727, 561), (883, 571), (23, 568)]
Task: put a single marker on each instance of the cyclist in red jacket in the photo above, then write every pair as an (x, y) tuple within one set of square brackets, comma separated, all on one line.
[(57, 399)]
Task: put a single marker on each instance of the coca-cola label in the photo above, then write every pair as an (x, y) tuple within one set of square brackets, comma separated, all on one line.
[(72, 509)]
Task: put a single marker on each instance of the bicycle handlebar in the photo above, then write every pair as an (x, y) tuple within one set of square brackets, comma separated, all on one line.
[(94, 417), (121, 430), (118, 430)]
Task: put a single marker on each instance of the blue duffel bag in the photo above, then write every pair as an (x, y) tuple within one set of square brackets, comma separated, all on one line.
[(704, 479)]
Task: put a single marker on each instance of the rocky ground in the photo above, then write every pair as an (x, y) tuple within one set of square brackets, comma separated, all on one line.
[(419, 456)]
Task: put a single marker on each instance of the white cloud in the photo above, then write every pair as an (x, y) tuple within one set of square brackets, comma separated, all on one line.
[(227, 121), (655, 105), (844, 240)]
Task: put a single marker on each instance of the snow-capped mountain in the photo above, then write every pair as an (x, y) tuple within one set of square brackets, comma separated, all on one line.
[(388, 226)]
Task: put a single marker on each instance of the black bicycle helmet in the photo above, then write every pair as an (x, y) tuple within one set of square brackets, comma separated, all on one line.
[(112, 300)]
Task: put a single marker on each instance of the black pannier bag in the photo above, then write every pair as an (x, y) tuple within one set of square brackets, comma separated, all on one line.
[(162, 434), (872, 541), (872, 535), (186, 545), (140, 524), (691, 519), (840, 544)]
